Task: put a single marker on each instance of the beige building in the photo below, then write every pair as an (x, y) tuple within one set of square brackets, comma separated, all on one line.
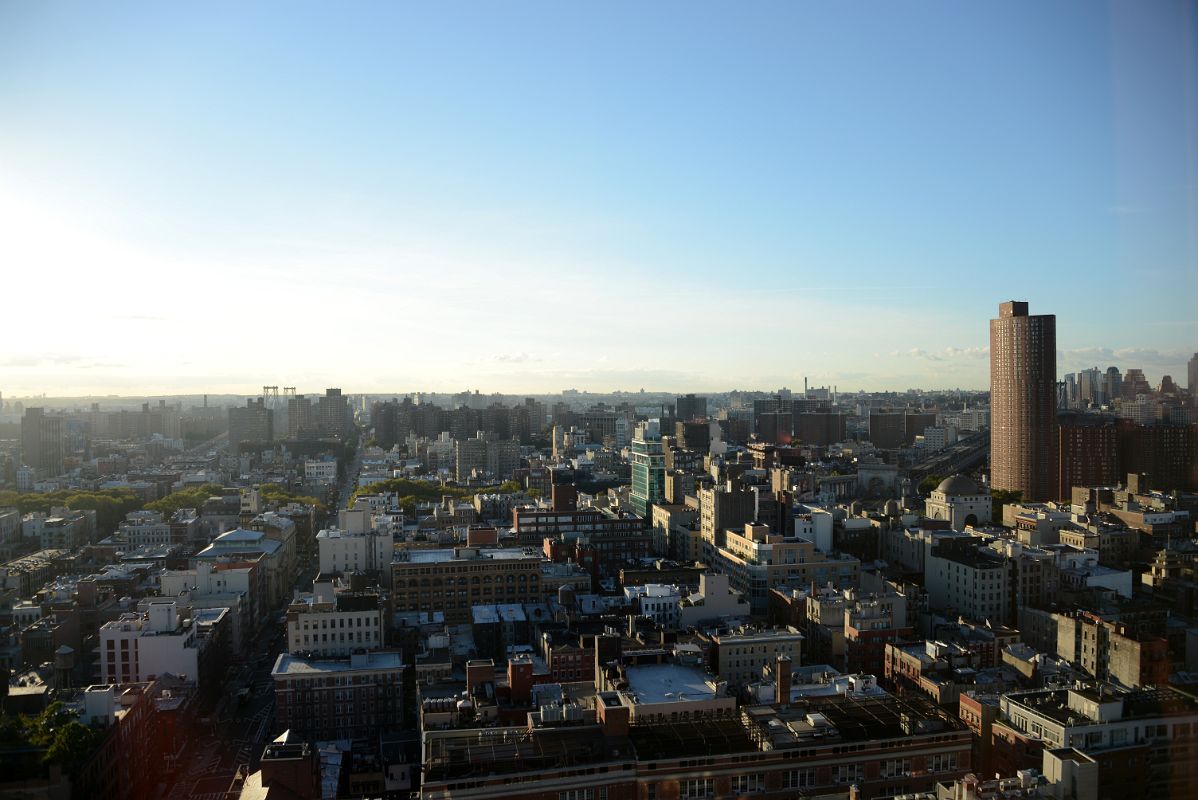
[(756, 561), (329, 623), (455, 580), (741, 657)]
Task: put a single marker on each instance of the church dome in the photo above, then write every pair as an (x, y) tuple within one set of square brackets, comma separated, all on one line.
[(957, 485)]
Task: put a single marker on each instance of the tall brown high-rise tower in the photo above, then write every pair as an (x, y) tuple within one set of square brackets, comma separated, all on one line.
[(1023, 401)]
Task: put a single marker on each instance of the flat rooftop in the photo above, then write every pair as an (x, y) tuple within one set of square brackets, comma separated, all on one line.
[(679, 739), (443, 555), (498, 751), (287, 664), (668, 683)]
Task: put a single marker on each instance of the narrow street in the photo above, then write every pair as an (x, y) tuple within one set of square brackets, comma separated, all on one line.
[(231, 739)]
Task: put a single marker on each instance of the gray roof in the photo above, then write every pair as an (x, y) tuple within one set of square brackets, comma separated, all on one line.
[(957, 485)]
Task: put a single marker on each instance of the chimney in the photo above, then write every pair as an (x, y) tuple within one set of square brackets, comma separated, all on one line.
[(782, 680), (478, 672), (564, 497), (608, 648), (519, 679), (614, 716)]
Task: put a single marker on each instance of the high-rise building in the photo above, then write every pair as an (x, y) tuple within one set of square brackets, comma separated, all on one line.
[(648, 468), (1023, 374), (1114, 384), (1088, 452), (254, 423), (1192, 372), (42, 441), (690, 407)]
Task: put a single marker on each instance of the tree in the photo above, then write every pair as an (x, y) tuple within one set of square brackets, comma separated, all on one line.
[(184, 498), (929, 484), (72, 746), (1000, 498)]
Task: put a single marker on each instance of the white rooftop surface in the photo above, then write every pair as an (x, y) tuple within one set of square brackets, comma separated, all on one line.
[(439, 555), (288, 664), (851, 685), (668, 683)]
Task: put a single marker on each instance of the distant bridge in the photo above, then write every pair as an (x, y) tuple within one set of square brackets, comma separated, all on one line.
[(962, 456)]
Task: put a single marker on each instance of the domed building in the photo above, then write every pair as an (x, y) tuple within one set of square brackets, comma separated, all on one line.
[(960, 501)]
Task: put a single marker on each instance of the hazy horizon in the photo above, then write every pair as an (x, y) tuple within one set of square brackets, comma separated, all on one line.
[(528, 197)]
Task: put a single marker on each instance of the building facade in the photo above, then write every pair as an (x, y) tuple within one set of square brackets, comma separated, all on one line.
[(1023, 402)]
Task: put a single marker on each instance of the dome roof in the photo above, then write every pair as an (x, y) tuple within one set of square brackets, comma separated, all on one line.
[(957, 485)]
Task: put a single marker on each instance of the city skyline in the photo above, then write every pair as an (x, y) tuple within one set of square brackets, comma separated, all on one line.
[(551, 199)]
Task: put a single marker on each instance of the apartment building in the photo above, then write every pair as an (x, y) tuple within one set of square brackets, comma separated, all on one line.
[(329, 623), (454, 580), (140, 647), (346, 698), (756, 560), (340, 551)]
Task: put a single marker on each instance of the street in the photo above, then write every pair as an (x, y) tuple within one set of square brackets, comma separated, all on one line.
[(237, 731), (231, 737)]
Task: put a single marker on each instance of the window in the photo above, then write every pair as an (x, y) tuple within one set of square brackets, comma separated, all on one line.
[(843, 774), (798, 778), (576, 794), (943, 762), (747, 784), (696, 789)]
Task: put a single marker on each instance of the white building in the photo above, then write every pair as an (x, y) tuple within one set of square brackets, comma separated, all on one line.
[(814, 525), (714, 600), (342, 551), (320, 470), (142, 528), (326, 623), (657, 601), (960, 501), (140, 647), (938, 437), (965, 579)]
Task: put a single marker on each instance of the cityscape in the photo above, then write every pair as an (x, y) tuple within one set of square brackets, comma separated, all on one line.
[(531, 401), (796, 593)]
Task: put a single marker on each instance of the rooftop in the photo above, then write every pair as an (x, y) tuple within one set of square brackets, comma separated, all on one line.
[(442, 555), (668, 683), (480, 753), (287, 664)]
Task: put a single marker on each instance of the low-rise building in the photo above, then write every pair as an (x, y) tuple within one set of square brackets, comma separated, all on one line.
[(455, 580), (756, 560), (741, 656), (347, 698), (344, 552), (334, 623), (1140, 739), (139, 647)]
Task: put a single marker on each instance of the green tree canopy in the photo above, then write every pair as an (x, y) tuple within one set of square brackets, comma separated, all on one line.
[(1000, 498), (928, 484), (192, 497)]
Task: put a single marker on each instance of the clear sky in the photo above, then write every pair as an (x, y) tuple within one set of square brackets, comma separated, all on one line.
[(511, 196)]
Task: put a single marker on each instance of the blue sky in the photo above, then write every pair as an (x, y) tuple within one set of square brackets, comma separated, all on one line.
[(510, 196)]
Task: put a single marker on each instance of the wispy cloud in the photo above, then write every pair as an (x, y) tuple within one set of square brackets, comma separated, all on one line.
[(1122, 357), (947, 354), (137, 317)]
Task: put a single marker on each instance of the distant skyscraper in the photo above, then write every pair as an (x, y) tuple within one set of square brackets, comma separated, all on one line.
[(690, 407), (1114, 384), (42, 441), (1023, 372)]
